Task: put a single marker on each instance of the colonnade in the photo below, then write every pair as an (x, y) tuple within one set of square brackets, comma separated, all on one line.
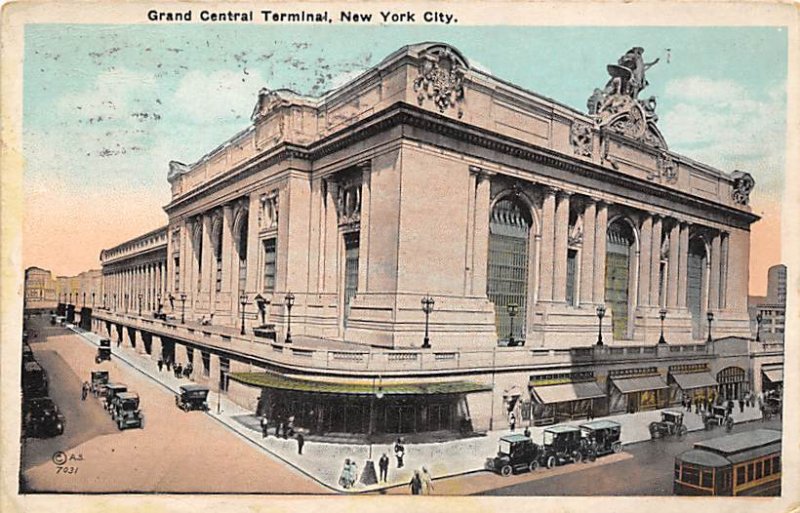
[(126, 284)]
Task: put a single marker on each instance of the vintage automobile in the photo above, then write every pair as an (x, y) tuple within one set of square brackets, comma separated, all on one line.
[(112, 390), (27, 354), (99, 380), (561, 444), (103, 351), (718, 417), (126, 411), (772, 404), (34, 380), (601, 437), (42, 418), (192, 397), (515, 453), (671, 424)]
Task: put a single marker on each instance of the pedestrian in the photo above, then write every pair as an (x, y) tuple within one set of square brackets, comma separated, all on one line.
[(697, 405), (84, 391), (383, 465), (416, 483), (399, 452), (512, 421), (280, 430), (352, 473), (160, 364), (741, 404), (427, 482), (729, 407), (590, 413), (301, 441), (344, 478), (289, 427), (264, 425), (527, 432)]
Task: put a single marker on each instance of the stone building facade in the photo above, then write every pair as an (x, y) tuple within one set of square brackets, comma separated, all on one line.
[(537, 230), (40, 289)]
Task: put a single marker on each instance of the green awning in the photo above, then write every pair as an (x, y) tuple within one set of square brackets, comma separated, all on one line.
[(280, 382)]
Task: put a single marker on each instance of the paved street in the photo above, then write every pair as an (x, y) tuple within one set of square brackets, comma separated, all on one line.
[(175, 452)]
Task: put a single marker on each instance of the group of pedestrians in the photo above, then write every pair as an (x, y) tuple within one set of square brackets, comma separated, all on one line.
[(283, 429), (178, 370), (421, 482)]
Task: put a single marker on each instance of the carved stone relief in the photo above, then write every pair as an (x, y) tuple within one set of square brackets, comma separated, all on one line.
[(743, 184), (441, 80)]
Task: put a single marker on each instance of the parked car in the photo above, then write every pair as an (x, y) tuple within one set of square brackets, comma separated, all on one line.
[(112, 389), (34, 380), (103, 351), (601, 437), (515, 453), (718, 417), (671, 424), (99, 380), (27, 353), (126, 411), (42, 418), (561, 444), (192, 397)]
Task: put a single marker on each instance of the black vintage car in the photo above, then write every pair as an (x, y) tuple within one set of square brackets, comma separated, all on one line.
[(27, 353), (34, 380), (601, 437), (718, 417), (671, 424), (192, 397), (772, 404), (103, 351), (562, 444), (99, 380), (516, 453), (42, 418), (112, 390), (126, 411)]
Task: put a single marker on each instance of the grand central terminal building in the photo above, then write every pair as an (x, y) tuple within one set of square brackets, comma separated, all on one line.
[(428, 248)]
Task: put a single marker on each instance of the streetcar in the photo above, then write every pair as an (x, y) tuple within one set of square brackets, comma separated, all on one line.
[(747, 463)]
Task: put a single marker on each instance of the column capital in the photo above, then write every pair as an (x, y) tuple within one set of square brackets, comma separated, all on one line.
[(482, 173), (365, 165), (562, 193), (549, 190)]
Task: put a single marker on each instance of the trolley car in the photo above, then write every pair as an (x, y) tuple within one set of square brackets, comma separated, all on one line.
[(747, 463)]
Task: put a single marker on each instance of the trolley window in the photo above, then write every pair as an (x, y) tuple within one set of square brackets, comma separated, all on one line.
[(678, 471), (758, 470), (741, 474), (690, 475), (767, 467), (708, 479), (751, 471), (776, 464)]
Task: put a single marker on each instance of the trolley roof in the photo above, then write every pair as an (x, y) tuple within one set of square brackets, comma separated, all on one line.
[(745, 441)]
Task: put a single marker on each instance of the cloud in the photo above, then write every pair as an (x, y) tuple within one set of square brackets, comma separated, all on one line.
[(723, 124), (220, 95)]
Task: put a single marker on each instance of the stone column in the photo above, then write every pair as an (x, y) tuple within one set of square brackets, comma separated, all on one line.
[(723, 275), (655, 266), (714, 270), (481, 252), (587, 252), (673, 265), (228, 251), (560, 247), (469, 255), (548, 235), (207, 270), (645, 260), (363, 259), (683, 265), (600, 235)]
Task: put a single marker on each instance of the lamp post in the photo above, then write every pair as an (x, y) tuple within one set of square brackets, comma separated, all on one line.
[(710, 317), (261, 302), (84, 300), (368, 476), (140, 305), (289, 301), (115, 301), (183, 308), (662, 314), (70, 298), (243, 302), (92, 300), (759, 318), (427, 307), (601, 312), (158, 303), (513, 309)]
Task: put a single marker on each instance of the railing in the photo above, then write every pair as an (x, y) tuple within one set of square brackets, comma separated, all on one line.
[(405, 360)]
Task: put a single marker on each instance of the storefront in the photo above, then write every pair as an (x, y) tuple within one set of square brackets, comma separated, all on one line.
[(636, 390), (693, 381), (350, 407), (772, 378), (553, 403)]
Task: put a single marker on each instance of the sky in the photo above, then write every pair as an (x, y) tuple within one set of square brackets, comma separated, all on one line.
[(106, 107)]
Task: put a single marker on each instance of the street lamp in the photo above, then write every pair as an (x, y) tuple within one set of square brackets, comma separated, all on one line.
[(183, 307), (427, 307), (710, 317), (289, 301), (84, 300), (261, 302), (759, 318), (158, 303), (368, 476), (115, 301), (140, 304), (601, 312), (513, 309), (243, 302), (92, 300), (662, 314)]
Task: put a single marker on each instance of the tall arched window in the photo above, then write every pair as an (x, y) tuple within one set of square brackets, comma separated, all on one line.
[(197, 242), (620, 248), (507, 281), (696, 265), (216, 234), (241, 249)]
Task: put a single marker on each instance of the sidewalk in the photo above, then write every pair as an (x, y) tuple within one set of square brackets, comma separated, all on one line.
[(323, 461)]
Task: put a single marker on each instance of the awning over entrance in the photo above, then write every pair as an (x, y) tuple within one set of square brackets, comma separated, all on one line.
[(692, 380), (773, 373), (639, 384), (566, 392), (343, 386)]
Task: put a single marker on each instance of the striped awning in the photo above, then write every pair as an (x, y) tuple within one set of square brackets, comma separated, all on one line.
[(566, 392), (639, 384), (692, 380)]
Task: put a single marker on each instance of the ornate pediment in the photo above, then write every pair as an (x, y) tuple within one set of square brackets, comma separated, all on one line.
[(743, 184), (441, 79), (269, 100)]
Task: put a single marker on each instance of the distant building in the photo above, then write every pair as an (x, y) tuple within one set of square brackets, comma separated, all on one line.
[(771, 307), (776, 285), (40, 288)]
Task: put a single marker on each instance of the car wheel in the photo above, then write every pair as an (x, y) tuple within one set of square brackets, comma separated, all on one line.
[(682, 431), (119, 425), (506, 470), (551, 461), (533, 466), (141, 422), (617, 447)]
